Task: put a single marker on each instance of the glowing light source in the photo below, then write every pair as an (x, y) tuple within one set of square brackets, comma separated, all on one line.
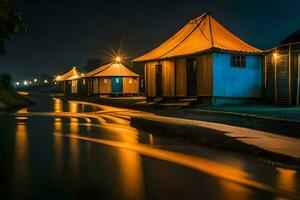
[(25, 82), (58, 78), (35, 80), (17, 83), (30, 82), (275, 55), (45, 81), (118, 59)]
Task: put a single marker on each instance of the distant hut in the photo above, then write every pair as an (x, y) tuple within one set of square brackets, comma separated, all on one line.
[(205, 62), (282, 72), (68, 82), (111, 79)]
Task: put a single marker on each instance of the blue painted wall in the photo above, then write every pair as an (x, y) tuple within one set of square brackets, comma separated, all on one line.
[(236, 82)]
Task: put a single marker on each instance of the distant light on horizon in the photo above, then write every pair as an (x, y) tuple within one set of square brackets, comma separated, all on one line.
[(25, 82), (35, 80), (45, 81), (17, 83)]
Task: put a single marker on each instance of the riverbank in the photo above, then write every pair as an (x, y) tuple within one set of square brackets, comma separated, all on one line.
[(220, 131), (251, 117), (11, 100)]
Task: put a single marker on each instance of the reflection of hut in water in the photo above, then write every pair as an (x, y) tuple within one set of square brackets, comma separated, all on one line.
[(68, 82), (282, 72), (111, 79)]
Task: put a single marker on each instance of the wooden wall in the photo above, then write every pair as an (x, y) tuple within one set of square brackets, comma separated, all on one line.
[(95, 86), (105, 88), (181, 77), (130, 88), (168, 82), (150, 75), (204, 75)]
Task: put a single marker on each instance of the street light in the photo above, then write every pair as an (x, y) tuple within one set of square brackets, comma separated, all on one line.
[(35, 80), (118, 59), (45, 81), (25, 82)]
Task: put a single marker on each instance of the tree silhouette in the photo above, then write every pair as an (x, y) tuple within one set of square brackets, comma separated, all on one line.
[(11, 22)]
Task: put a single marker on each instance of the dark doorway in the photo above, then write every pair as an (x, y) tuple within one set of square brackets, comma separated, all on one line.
[(191, 77), (158, 80)]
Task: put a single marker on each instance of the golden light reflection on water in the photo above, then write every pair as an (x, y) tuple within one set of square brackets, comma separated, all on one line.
[(151, 139), (131, 171), (74, 147), (57, 105), (287, 179), (73, 107), (22, 173), (231, 190), (58, 146)]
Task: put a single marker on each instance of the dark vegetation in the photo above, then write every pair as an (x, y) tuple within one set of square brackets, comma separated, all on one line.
[(9, 97)]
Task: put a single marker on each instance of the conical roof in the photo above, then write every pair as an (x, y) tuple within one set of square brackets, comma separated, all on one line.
[(97, 70), (69, 75), (113, 69), (198, 35)]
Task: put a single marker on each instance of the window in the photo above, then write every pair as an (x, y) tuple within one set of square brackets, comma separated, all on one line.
[(105, 81), (83, 81), (238, 61), (130, 81)]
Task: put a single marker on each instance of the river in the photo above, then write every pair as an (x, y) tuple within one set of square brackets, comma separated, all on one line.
[(74, 150)]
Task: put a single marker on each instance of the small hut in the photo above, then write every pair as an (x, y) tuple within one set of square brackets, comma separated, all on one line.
[(282, 72), (112, 79), (206, 62), (68, 82)]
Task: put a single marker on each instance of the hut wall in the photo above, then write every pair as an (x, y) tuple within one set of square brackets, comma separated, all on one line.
[(270, 73), (74, 85), (150, 74), (236, 82), (181, 77), (95, 86), (105, 85), (130, 85), (282, 76), (168, 72), (204, 75)]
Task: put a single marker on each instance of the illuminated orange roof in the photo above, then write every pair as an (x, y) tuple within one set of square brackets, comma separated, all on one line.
[(97, 70), (115, 69), (198, 35), (70, 75)]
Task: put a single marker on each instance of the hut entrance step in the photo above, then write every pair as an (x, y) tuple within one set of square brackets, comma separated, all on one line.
[(191, 100), (157, 99)]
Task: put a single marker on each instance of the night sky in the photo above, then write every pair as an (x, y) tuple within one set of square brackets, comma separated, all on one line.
[(63, 33)]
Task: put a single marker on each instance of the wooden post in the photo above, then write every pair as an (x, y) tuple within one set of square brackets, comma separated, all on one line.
[(298, 79), (275, 77), (145, 80), (290, 75)]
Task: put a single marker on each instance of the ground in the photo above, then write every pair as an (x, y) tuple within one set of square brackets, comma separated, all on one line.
[(10, 99)]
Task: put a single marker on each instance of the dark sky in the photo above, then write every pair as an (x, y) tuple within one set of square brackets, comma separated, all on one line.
[(63, 33)]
